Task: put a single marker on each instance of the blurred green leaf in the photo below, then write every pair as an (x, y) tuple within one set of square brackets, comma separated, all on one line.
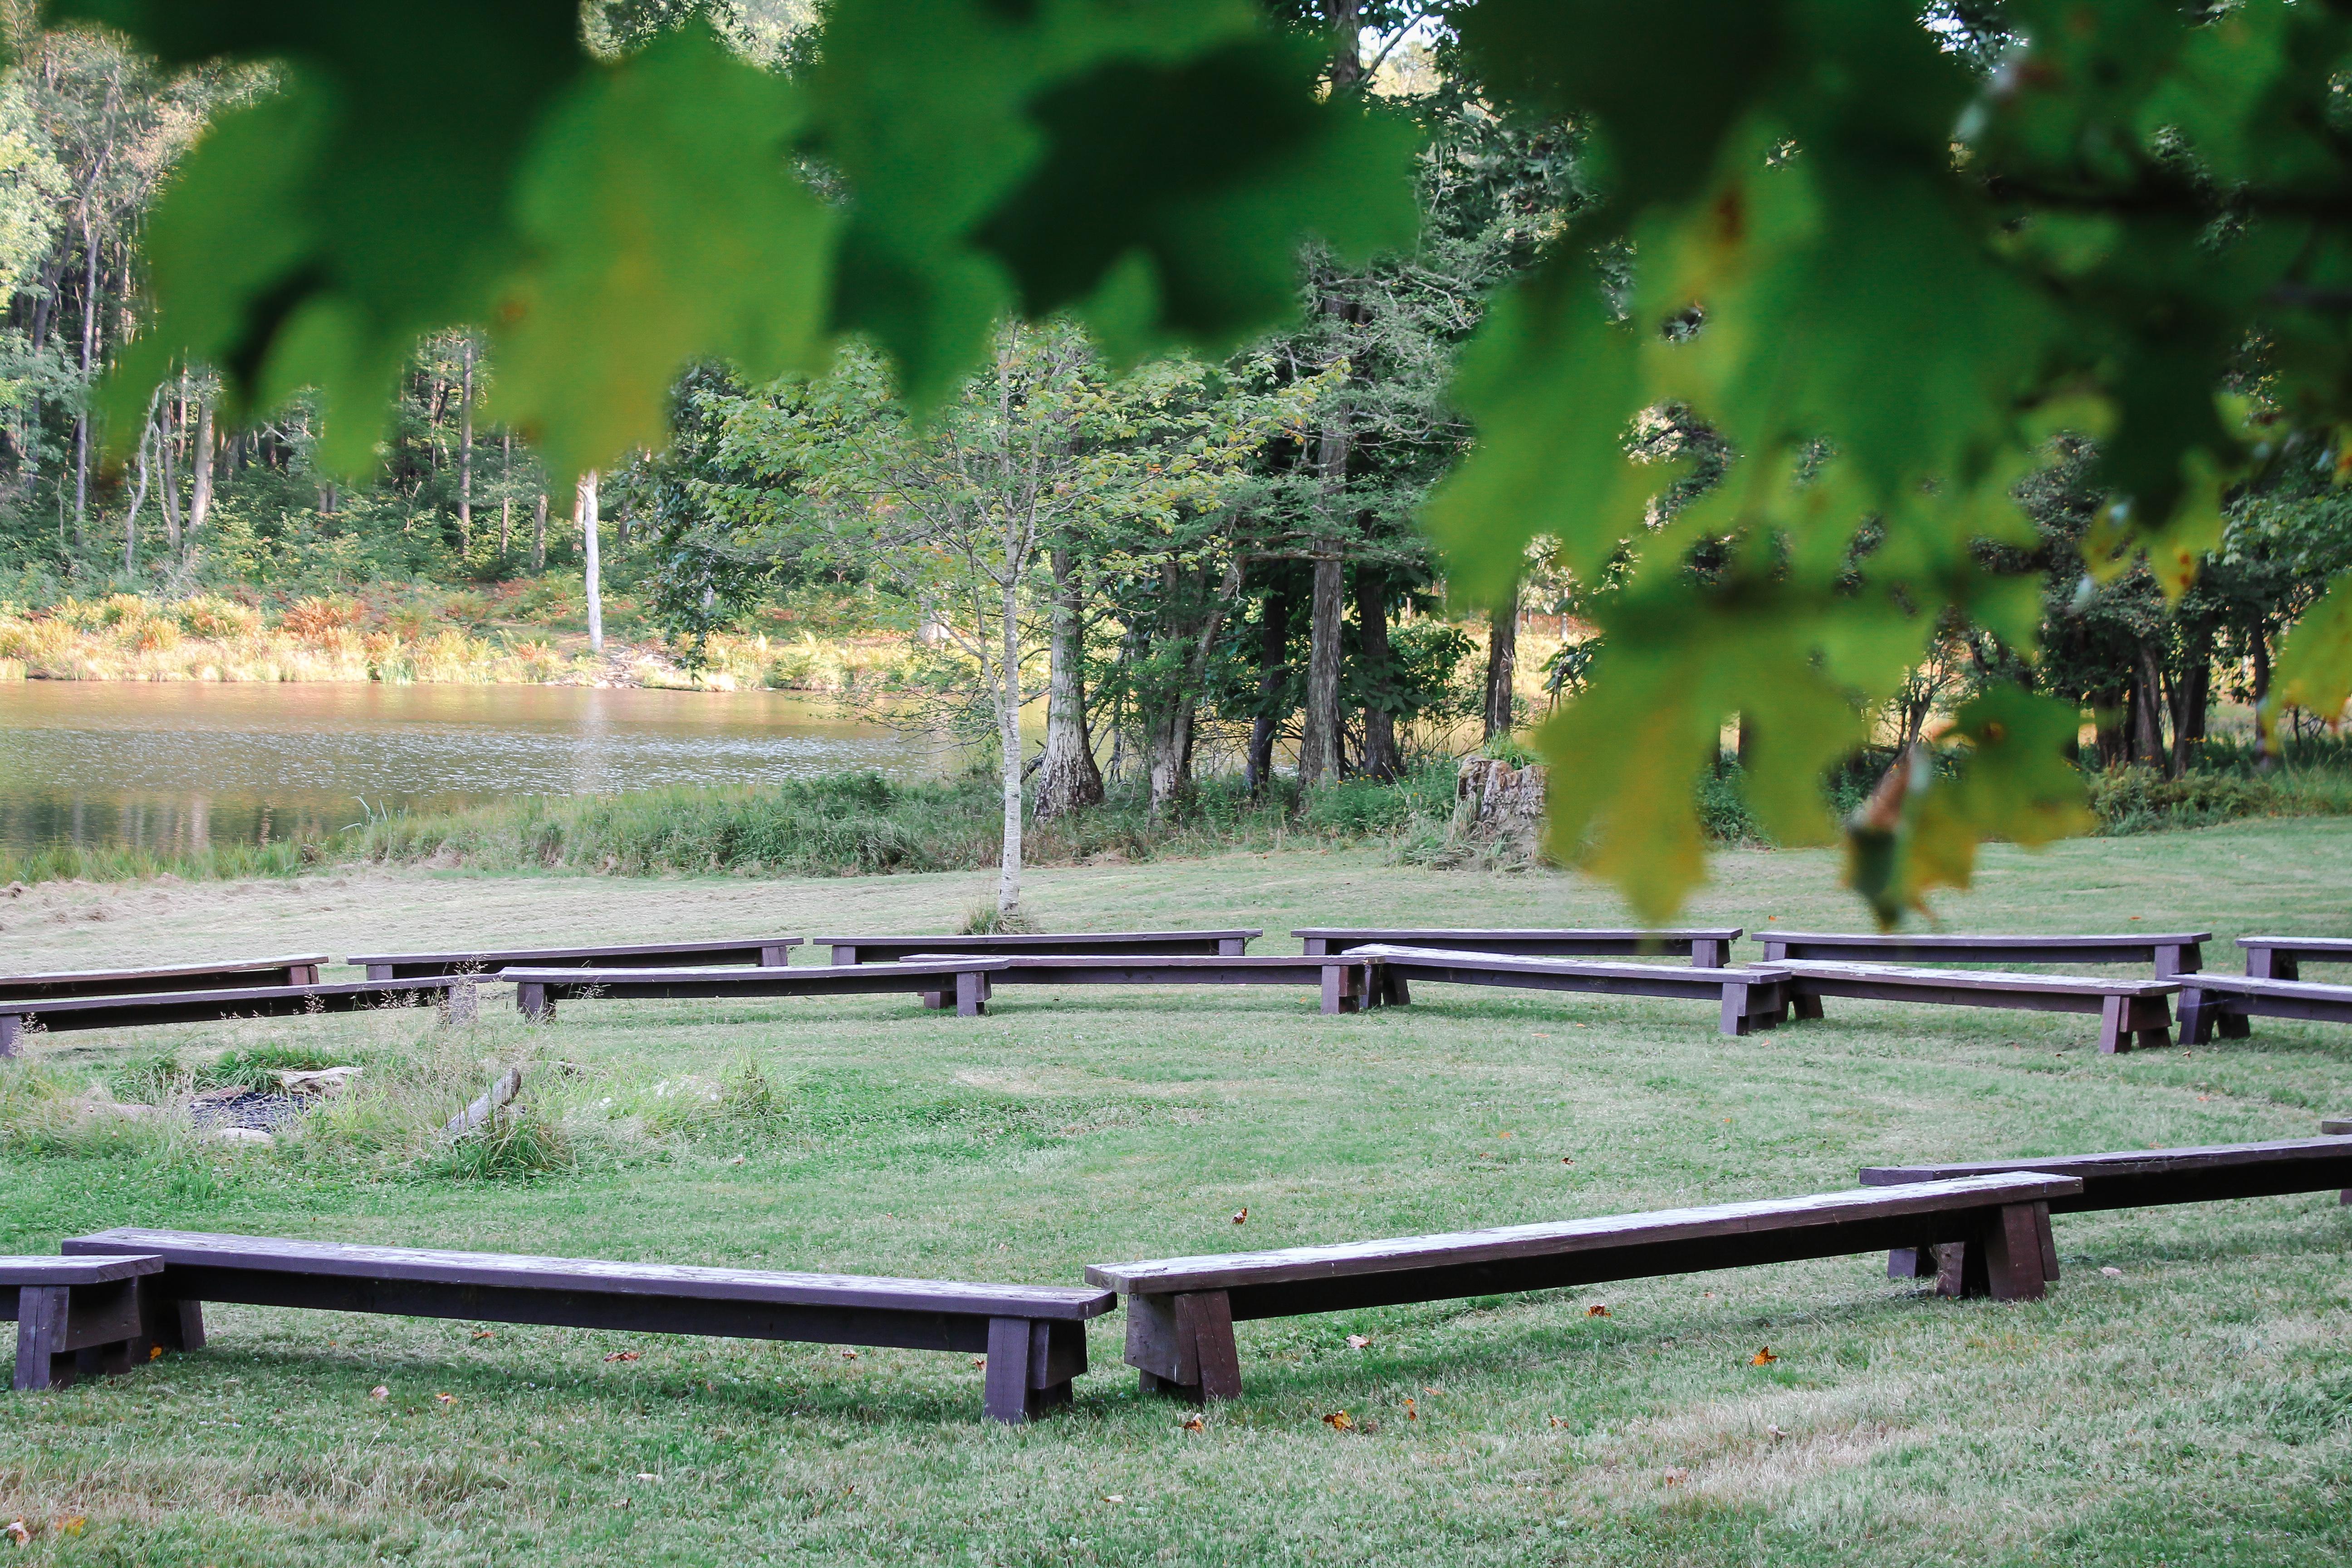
[(2314, 664)]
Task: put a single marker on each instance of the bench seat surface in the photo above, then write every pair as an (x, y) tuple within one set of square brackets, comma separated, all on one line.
[(787, 977), (1679, 975), (1170, 1276), (2283, 989), (136, 1002), (2309, 946), (1048, 942), (1625, 937), (197, 1249), (2127, 946), (82, 977), (2131, 1163), (43, 1270), (553, 954), (1990, 981)]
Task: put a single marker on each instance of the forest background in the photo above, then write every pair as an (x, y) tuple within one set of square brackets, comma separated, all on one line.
[(1197, 578)]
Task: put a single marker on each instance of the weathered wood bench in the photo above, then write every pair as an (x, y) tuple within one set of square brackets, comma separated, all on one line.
[(1033, 1335), (188, 1006), (1748, 999), (536, 991), (2171, 953), (2283, 957), (1344, 981), (1181, 1311), (292, 969), (751, 950), (2221, 1003), (2130, 1011), (891, 949), (1706, 949), (76, 1317), (2140, 1178)]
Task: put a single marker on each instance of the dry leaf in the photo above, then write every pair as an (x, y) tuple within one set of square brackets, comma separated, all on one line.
[(1566, 1160), (1763, 1357), (2112, 1272), (1340, 1421), (1358, 1341), (1776, 1432), (1598, 1310), (444, 1399), (154, 1353), (71, 1525), (849, 1355), (736, 1161), (379, 1392), (1502, 1135), (1676, 1477), (1113, 1497), (1409, 1413), (979, 1362), (1193, 1424), (1241, 1213), (647, 1475), (18, 1532), (624, 1355), (485, 1333), (1556, 1421)]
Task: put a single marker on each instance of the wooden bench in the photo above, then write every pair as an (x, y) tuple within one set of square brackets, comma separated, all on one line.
[(187, 1006), (76, 1317), (749, 950), (1033, 1335), (536, 991), (2171, 953), (1749, 999), (2283, 957), (2129, 1011), (1706, 949), (1344, 981), (1181, 1311), (2211, 1003), (293, 969), (891, 949)]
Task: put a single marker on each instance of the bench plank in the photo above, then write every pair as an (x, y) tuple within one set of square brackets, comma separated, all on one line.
[(2140, 1178), (1748, 999), (288, 969), (749, 950), (1344, 981), (2129, 1011), (1707, 948), (1037, 1329), (1181, 1310), (536, 991), (1230, 944), (2170, 952), (189, 1007), (2281, 957), (75, 1317), (2211, 1003)]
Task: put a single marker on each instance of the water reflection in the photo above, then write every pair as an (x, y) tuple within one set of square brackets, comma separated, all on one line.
[(175, 767)]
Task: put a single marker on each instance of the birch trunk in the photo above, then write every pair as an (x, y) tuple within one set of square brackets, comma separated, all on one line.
[(1068, 778), (200, 470), (465, 456), (88, 355), (1008, 737), (584, 512), (539, 533)]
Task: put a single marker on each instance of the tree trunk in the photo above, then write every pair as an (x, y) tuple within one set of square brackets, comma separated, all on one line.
[(200, 470), (1381, 758), (167, 443), (1008, 739), (138, 498), (88, 356), (1318, 744), (1273, 669), (506, 498), (1501, 670), (1174, 722), (2148, 703), (584, 514), (1067, 778), (2192, 696), (539, 533), (466, 457)]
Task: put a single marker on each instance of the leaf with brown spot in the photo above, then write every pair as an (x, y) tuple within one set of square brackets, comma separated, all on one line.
[(1340, 1421), (624, 1355), (1597, 1310), (1193, 1424), (1241, 1213), (1763, 1357)]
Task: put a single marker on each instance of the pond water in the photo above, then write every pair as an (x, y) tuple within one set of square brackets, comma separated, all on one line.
[(172, 766)]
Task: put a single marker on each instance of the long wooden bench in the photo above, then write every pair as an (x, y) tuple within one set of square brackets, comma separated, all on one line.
[(2170, 952), (76, 1317), (1181, 1311), (1706, 949), (891, 949), (1747, 999), (536, 991), (1344, 981), (1033, 1335), (2221, 1003), (2142, 1178), (290, 969), (2129, 1011), (2283, 957), (749, 950), (188, 1006)]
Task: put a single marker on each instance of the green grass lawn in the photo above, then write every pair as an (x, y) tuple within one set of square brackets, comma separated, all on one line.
[(2193, 1406)]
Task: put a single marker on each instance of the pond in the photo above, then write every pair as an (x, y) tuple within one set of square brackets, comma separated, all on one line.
[(173, 766)]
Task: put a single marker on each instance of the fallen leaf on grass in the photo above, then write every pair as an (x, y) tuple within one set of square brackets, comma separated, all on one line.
[(1340, 1421), (647, 1475), (1676, 1477), (624, 1355), (736, 1161), (1558, 1423), (379, 1392), (1193, 1424), (18, 1532), (1358, 1341), (444, 1399), (71, 1525), (1763, 1357), (485, 1333), (1409, 1413), (1241, 1213), (2112, 1272), (979, 1362), (154, 1353), (1598, 1310), (849, 1355), (1775, 1431), (1566, 1160), (1113, 1497)]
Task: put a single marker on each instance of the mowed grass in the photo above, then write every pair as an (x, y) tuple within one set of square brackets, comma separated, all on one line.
[(2195, 1406)]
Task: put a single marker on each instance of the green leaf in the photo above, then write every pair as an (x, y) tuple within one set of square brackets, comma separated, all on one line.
[(2314, 664), (667, 228)]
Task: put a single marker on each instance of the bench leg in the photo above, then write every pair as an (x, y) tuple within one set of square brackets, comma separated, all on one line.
[(11, 1029), (1232, 946), (2013, 1256), (2233, 1025), (1734, 1019), (1708, 953), (1183, 1345), (1396, 991), (1804, 1007), (2112, 1014), (1339, 986), (166, 1323), (2197, 1010), (461, 1003), (1030, 1365), (530, 1001), (935, 999), (1911, 1263), (971, 999), (41, 1311)]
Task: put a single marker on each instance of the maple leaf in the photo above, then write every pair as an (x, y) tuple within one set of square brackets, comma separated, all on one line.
[(1340, 1421), (624, 1355), (1358, 1341), (1596, 1311), (1763, 1357)]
